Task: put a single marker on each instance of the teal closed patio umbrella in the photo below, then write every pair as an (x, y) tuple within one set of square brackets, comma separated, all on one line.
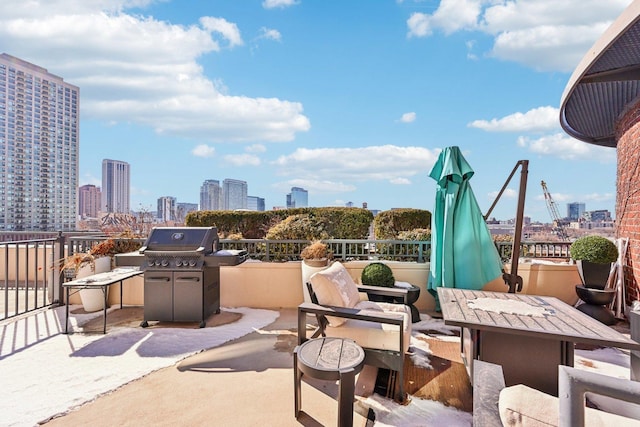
[(463, 254)]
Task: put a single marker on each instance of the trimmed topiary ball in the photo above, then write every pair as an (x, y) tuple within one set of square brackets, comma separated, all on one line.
[(596, 249), (378, 274)]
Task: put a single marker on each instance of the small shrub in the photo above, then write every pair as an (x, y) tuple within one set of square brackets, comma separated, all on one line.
[(417, 234), (596, 249), (378, 274), (298, 227)]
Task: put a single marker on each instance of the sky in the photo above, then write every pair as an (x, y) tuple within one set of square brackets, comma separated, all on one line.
[(350, 100)]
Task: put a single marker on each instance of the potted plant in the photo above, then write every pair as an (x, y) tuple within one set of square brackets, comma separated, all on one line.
[(594, 256), (380, 274), (315, 257), (315, 254), (73, 264)]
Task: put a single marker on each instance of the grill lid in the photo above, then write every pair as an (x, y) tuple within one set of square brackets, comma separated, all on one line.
[(172, 239)]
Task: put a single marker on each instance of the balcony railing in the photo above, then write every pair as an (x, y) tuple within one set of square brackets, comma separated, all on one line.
[(30, 277), (392, 250)]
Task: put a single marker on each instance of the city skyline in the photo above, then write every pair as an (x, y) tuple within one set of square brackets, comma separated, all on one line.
[(261, 90)]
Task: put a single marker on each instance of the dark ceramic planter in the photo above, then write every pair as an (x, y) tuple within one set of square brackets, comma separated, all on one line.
[(595, 275), (595, 295), (595, 303)]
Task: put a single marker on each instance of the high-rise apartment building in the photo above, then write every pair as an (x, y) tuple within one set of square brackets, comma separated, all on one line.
[(234, 194), (575, 210), (210, 195), (255, 203), (298, 198), (166, 208), (89, 199), (39, 140), (115, 186)]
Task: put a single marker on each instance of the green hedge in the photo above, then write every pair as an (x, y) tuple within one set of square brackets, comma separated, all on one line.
[(389, 224), (336, 222)]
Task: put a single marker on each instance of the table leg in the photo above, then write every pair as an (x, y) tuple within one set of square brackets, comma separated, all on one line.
[(66, 317), (346, 392), (104, 310), (296, 384)]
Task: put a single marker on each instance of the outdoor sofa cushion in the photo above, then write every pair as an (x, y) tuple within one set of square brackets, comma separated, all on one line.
[(375, 335), (524, 406)]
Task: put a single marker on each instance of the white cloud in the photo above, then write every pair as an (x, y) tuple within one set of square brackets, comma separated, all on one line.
[(256, 148), (570, 198), (272, 4), (90, 179), (558, 197), (451, 16), (315, 186), (227, 29), (509, 193), (564, 147), (203, 150), (419, 25), (597, 197), (408, 117), (545, 35), (400, 181), (242, 160), (535, 120), (270, 34), (374, 163), (133, 68)]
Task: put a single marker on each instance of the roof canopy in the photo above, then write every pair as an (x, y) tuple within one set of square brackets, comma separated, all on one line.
[(605, 82)]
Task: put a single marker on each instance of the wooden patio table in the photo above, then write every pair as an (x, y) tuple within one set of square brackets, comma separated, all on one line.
[(530, 336)]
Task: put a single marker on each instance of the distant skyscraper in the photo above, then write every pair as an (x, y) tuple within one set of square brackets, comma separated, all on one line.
[(182, 209), (255, 203), (115, 186), (298, 198), (210, 195), (89, 198), (166, 208), (234, 194), (39, 140), (575, 210)]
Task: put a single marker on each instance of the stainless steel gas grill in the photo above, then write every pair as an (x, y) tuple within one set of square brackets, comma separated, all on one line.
[(182, 273)]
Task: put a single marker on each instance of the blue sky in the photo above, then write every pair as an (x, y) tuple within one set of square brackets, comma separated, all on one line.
[(351, 100)]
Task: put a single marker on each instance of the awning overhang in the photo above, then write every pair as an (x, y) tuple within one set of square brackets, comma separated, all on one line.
[(605, 82)]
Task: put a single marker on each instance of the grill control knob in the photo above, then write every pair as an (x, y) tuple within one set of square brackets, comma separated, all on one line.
[(192, 263), (178, 263), (150, 263), (165, 263)]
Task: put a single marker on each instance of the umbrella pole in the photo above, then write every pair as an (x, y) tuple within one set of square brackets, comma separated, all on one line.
[(512, 279)]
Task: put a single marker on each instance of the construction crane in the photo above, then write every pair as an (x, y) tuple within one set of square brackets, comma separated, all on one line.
[(558, 224)]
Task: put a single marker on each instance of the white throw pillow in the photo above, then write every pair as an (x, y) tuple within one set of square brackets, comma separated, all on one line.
[(335, 286)]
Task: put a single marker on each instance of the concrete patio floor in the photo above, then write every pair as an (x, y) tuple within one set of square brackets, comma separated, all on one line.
[(248, 381)]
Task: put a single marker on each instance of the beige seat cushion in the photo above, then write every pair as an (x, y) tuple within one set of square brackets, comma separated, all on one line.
[(375, 335), (335, 286), (520, 405)]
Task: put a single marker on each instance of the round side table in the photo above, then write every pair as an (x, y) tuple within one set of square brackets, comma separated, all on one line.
[(329, 359)]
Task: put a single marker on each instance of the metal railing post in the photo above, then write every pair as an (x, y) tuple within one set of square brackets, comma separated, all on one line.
[(60, 243)]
